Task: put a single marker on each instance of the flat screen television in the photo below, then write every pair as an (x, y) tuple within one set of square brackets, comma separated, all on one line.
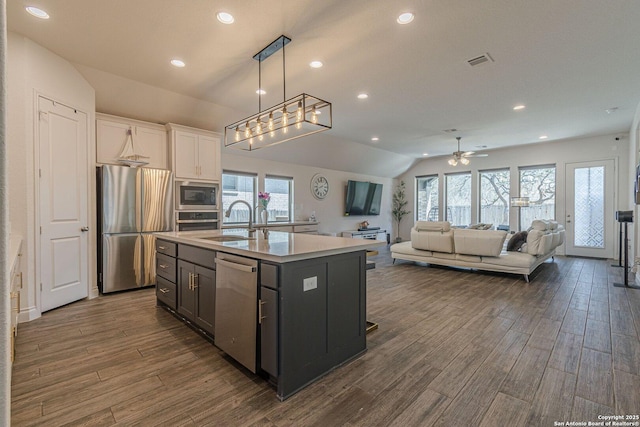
[(363, 198)]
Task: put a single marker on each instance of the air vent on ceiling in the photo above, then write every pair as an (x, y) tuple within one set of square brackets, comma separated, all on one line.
[(452, 130), (482, 59)]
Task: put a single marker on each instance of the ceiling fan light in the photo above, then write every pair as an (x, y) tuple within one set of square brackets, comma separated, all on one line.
[(453, 162), (464, 161)]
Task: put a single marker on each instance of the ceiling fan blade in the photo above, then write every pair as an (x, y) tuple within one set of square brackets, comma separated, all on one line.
[(468, 153), (477, 155)]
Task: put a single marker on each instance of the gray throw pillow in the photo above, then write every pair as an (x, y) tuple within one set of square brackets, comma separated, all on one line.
[(516, 241)]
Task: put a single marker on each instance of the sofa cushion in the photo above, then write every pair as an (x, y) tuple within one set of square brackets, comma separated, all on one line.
[(432, 226), (406, 249), (511, 259), (539, 224), (479, 242), (436, 241), (516, 241)]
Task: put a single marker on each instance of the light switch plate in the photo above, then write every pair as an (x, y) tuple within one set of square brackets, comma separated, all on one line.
[(310, 283)]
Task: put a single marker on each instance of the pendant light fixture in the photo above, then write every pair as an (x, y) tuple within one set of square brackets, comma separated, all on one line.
[(293, 118)]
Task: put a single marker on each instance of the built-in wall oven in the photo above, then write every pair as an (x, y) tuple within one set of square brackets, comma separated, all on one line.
[(196, 196), (196, 220)]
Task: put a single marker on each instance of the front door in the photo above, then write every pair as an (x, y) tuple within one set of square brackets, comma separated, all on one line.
[(63, 139), (590, 209)]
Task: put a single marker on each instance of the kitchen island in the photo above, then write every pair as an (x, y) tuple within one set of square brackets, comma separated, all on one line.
[(288, 306)]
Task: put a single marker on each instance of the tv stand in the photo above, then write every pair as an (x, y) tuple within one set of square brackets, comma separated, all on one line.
[(366, 234)]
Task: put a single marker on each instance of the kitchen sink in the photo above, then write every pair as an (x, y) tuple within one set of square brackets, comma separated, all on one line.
[(227, 238)]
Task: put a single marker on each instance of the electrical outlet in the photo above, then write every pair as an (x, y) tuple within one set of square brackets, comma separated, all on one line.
[(310, 283)]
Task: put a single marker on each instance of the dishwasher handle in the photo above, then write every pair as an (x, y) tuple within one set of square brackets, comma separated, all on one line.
[(235, 266)]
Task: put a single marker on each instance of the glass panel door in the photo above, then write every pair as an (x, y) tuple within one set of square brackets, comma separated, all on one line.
[(589, 216)]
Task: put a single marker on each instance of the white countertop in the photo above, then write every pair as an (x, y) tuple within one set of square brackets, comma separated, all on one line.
[(277, 247)]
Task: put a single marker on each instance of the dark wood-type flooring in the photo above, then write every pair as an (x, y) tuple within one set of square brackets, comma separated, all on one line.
[(454, 348)]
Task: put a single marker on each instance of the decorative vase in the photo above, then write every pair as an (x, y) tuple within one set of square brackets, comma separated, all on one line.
[(265, 216)]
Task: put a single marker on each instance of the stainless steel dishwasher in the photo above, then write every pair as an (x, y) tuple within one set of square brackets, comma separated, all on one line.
[(236, 306)]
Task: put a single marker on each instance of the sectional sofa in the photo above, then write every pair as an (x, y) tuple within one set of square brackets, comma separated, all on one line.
[(438, 243)]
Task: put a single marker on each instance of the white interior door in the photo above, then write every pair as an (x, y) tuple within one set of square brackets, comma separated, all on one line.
[(590, 209), (63, 141)]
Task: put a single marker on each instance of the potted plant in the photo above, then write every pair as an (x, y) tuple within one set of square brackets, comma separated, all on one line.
[(398, 206)]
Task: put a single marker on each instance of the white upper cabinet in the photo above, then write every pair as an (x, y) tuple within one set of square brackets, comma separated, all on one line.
[(195, 153), (149, 140)]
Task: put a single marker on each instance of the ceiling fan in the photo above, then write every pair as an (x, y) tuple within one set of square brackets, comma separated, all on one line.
[(463, 156)]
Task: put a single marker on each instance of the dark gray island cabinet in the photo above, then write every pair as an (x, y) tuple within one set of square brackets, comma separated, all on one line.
[(308, 314)]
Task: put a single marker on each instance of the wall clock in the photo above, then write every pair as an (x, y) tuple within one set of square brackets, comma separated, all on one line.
[(319, 186)]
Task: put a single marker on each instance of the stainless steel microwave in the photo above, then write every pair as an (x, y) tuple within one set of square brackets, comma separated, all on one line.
[(200, 196)]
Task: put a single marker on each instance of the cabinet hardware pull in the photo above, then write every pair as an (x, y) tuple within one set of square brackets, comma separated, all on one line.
[(196, 279), (21, 280), (190, 281), (162, 248), (260, 316), (164, 290), (162, 266)]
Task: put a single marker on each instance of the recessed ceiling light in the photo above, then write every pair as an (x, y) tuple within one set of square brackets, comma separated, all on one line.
[(375, 138), (315, 64), (405, 18), (425, 154), (178, 63), (362, 96), (519, 107), (38, 13), (543, 137), (225, 18), (261, 92), (611, 110)]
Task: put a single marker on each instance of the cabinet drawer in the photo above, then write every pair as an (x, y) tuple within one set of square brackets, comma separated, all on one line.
[(203, 257), (166, 292), (167, 248), (268, 275), (166, 267), (304, 228)]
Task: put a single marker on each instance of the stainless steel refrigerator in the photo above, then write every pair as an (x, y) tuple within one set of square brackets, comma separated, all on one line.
[(133, 203)]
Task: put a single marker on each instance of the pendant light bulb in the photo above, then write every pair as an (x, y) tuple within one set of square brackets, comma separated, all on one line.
[(299, 112), (237, 133), (258, 127), (270, 123), (247, 130), (285, 120), (314, 117)]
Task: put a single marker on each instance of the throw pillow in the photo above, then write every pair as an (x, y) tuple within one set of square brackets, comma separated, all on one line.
[(516, 241)]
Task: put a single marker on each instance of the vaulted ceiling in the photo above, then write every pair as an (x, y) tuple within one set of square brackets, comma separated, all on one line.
[(575, 65)]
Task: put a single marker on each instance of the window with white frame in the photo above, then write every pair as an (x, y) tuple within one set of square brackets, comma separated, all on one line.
[(458, 201), (538, 183), (494, 197), (280, 189), (238, 186), (427, 198)]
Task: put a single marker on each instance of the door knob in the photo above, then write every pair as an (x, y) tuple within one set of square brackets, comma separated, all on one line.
[(84, 229)]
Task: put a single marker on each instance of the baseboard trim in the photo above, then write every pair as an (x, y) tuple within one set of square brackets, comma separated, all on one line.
[(28, 314)]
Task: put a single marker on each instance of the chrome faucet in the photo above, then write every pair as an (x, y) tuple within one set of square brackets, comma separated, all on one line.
[(251, 230)]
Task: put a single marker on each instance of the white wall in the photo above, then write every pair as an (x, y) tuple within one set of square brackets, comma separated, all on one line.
[(33, 70), (330, 211), (559, 153)]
